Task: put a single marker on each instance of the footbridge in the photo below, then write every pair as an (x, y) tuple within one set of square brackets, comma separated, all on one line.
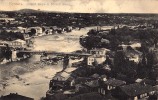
[(54, 53), (65, 55)]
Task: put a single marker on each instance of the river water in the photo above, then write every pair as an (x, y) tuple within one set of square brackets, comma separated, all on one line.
[(30, 77)]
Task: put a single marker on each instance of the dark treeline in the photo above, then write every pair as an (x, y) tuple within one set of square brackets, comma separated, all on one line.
[(9, 36), (37, 18), (148, 37)]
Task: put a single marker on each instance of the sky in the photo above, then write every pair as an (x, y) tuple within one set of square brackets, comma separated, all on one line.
[(83, 6)]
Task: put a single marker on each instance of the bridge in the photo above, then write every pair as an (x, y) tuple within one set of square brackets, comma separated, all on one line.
[(64, 54), (54, 53)]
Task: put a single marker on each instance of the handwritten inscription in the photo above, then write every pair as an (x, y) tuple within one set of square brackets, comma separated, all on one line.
[(27, 3), (13, 3)]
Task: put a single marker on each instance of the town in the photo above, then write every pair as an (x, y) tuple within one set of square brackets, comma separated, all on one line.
[(118, 63)]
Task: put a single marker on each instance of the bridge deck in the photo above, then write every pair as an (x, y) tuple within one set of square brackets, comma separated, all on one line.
[(56, 53)]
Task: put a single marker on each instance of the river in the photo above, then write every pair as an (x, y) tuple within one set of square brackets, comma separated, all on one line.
[(30, 77)]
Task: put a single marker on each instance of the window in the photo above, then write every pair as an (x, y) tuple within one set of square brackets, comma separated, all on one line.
[(141, 96), (98, 90), (136, 98), (109, 87), (101, 53), (104, 92), (145, 94), (152, 92)]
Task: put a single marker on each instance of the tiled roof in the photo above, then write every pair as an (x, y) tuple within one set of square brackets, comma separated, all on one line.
[(136, 89), (114, 82), (15, 96), (93, 83)]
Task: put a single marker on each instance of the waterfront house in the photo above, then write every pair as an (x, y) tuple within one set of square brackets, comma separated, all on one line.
[(134, 91), (63, 79), (47, 30), (61, 76), (98, 56), (16, 29), (18, 43), (15, 96), (59, 80), (99, 51), (110, 84)]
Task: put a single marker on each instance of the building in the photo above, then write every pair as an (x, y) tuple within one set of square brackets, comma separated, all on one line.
[(134, 92), (93, 85), (99, 51), (47, 30), (16, 30), (61, 82), (61, 76), (98, 55), (110, 85), (6, 19), (133, 55), (133, 45), (15, 96), (17, 43)]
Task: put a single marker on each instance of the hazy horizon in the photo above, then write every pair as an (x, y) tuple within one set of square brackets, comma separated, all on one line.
[(83, 6)]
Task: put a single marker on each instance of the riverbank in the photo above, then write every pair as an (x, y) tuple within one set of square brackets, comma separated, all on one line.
[(29, 84)]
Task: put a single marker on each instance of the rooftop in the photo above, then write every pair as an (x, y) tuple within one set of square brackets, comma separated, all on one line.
[(15, 96), (93, 83), (136, 89), (114, 82)]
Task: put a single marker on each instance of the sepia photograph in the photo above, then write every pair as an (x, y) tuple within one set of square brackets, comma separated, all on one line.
[(78, 49)]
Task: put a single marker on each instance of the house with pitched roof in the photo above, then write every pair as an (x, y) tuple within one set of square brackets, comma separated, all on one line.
[(110, 84), (15, 96), (133, 55), (98, 55), (134, 91)]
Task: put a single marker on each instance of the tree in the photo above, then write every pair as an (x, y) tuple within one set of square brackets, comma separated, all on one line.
[(33, 32), (92, 32)]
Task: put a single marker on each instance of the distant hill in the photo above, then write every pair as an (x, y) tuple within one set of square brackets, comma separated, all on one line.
[(35, 11), (29, 11), (44, 11)]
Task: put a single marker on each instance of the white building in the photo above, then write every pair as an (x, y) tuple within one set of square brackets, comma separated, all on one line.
[(98, 55), (14, 55), (17, 43), (133, 55), (133, 45), (7, 19), (99, 52)]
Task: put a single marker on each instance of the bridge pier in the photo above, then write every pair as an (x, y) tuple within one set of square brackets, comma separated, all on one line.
[(65, 62), (14, 55)]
